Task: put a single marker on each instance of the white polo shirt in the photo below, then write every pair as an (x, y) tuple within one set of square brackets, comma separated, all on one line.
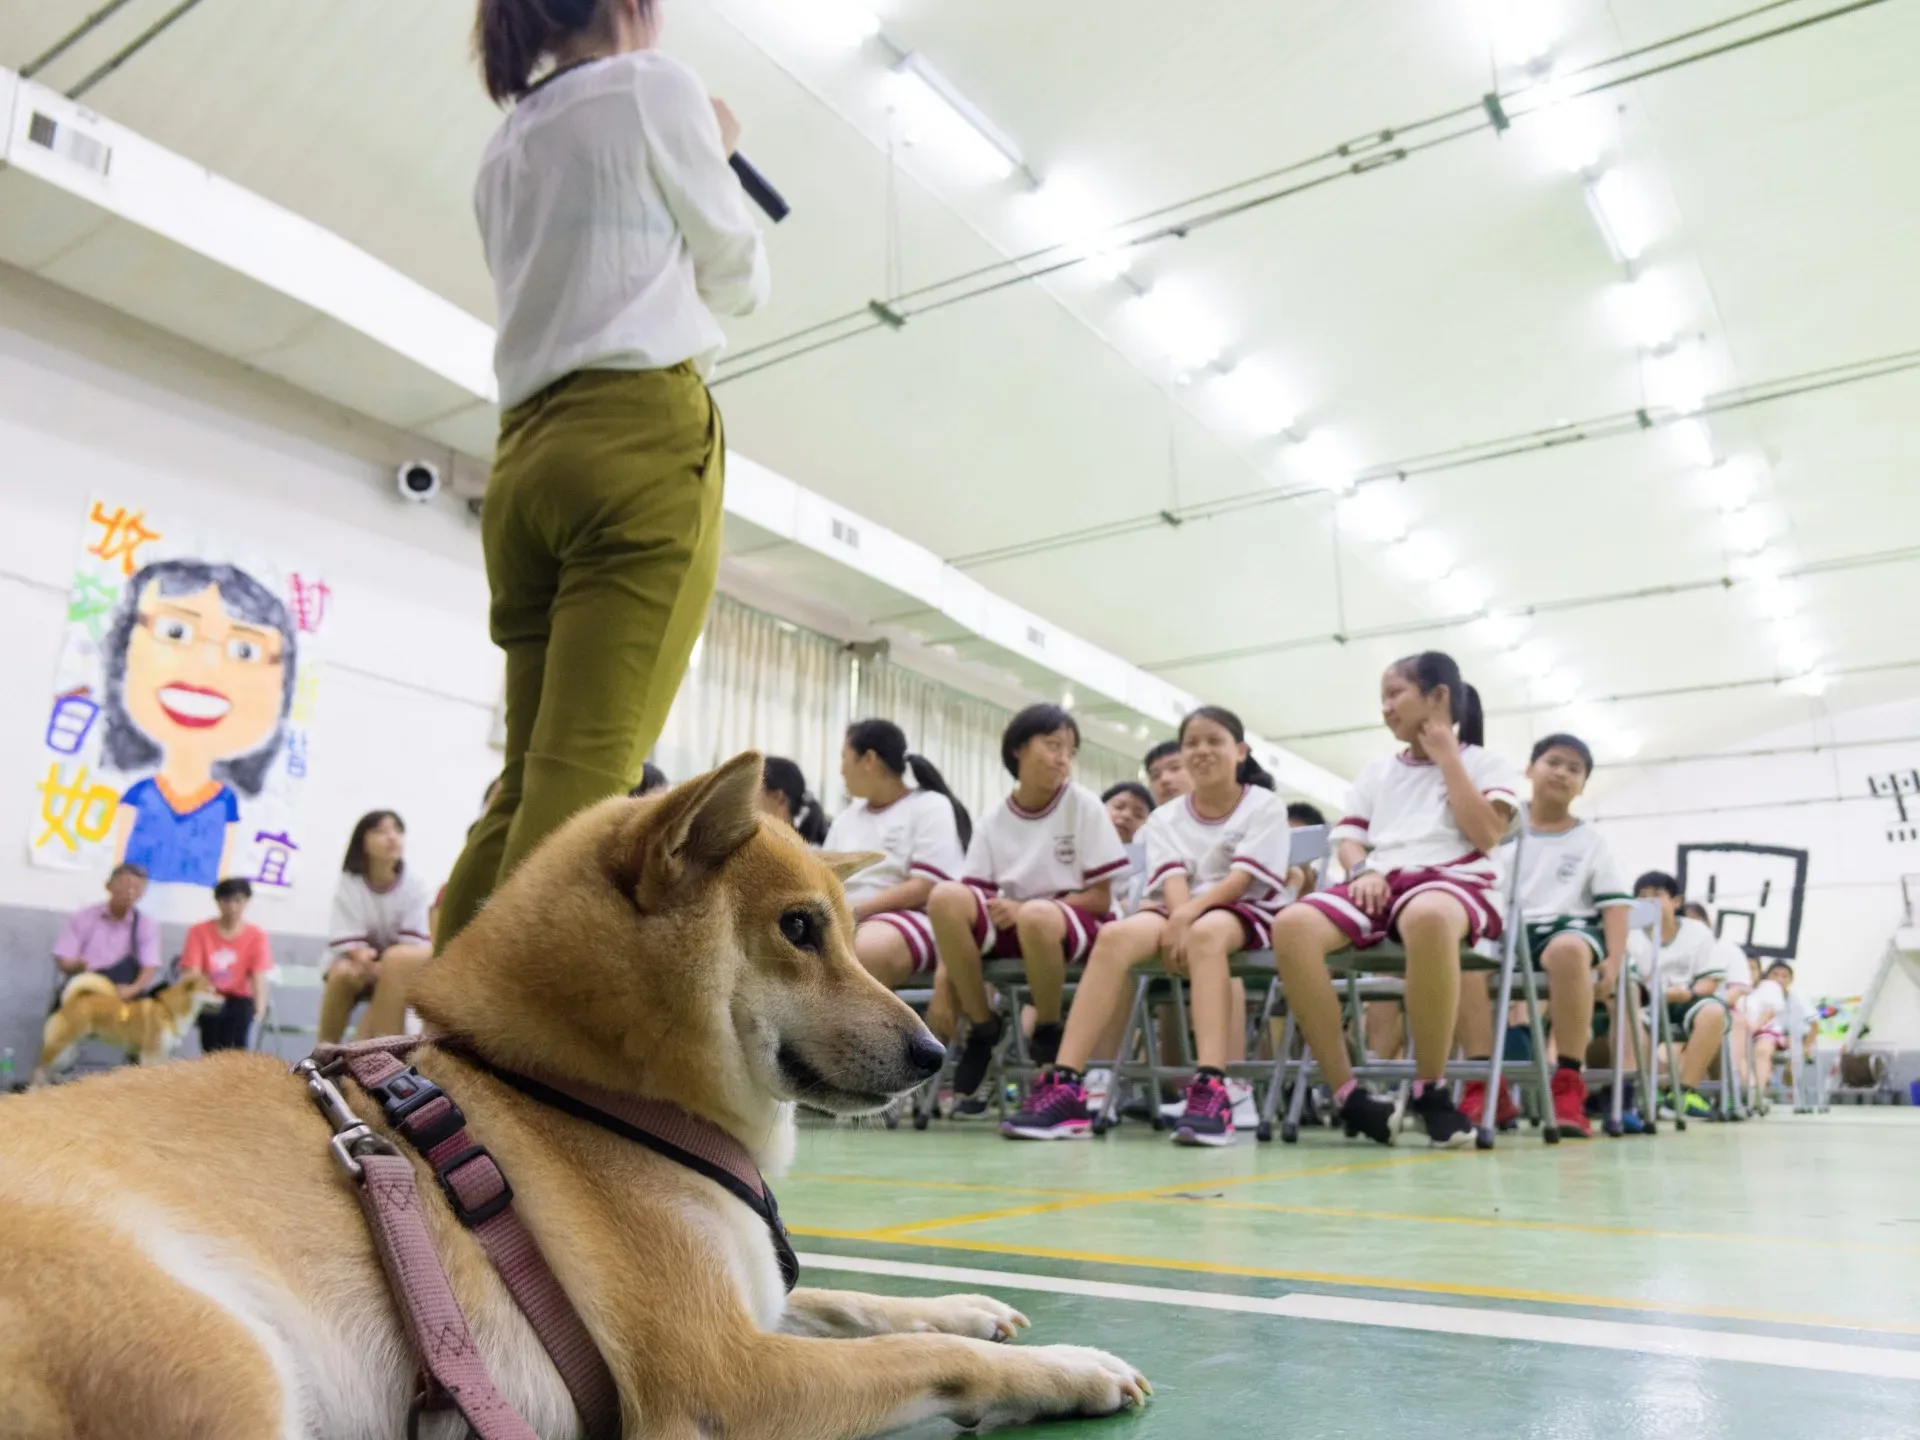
[(1044, 854)]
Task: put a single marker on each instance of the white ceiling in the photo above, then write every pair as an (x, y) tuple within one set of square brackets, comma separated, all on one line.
[(1460, 296)]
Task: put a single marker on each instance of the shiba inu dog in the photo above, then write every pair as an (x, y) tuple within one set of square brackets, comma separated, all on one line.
[(184, 1258), (148, 1029)]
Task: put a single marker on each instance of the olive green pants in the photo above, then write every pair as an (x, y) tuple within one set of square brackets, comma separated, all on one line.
[(602, 538)]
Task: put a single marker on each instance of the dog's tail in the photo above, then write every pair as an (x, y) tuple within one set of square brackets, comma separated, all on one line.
[(88, 983)]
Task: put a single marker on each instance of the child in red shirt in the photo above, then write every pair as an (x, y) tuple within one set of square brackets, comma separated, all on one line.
[(236, 957)]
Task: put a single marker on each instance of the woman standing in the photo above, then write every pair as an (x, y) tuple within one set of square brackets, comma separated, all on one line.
[(615, 233)]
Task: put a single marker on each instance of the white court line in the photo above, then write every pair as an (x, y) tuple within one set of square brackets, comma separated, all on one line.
[(1525, 1325)]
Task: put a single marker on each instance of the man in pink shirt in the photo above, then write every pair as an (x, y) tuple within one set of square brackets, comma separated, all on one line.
[(113, 938)]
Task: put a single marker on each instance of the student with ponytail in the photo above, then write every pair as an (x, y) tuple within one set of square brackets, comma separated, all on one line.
[(1218, 869), (922, 832), (1416, 841), (784, 795), (616, 235)]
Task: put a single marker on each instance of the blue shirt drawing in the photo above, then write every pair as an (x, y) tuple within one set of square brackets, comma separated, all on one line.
[(175, 848)]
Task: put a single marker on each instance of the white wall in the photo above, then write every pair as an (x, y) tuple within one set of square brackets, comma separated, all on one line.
[(92, 402), (1813, 799)]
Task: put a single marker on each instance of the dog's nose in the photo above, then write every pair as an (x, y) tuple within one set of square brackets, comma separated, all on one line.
[(926, 1054)]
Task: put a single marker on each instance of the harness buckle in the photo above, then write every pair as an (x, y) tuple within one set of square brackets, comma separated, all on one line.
[(486, 1209), (404, 1095)]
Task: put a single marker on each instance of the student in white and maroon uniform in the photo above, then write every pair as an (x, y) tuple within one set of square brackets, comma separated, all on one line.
[(922, 831), (1415, 841), (1217, 873), (1038, 886)]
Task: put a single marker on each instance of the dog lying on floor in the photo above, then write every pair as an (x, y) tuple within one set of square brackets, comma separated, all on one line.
[(147, 1029), (185, 1259)]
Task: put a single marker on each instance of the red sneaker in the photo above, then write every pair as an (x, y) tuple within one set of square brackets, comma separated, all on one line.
[(1473, 1103), (1570, 1104)]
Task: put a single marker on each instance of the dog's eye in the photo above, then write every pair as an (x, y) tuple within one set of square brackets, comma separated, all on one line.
[(801, 929)]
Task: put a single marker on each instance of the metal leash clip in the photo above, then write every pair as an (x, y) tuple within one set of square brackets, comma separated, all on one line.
[(352, 1137)]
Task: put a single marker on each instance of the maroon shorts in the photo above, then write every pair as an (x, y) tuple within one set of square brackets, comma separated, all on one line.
[(1366, 931), (1256, 930), (1082, 927), (917, 930)]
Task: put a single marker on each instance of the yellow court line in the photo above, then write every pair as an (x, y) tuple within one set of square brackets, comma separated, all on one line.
[(1366, 1282), (1116, 1197), (892, 1182)]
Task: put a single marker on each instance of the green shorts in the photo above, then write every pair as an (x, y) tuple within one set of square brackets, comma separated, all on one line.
[(1540, 934)]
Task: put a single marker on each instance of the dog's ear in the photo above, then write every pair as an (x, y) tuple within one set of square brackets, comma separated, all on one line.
[(845, 867), (692, 829)]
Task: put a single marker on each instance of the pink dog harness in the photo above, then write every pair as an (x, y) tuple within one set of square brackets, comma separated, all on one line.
[(477, 1191)]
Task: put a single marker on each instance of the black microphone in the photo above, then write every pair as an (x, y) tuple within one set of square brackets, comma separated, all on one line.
[(759, 190)]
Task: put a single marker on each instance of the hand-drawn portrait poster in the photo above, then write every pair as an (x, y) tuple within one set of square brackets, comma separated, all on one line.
[(177, 732)]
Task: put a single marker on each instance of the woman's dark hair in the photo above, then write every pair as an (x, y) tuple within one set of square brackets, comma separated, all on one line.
[(1300, 812), (512, 37), (356, 860), (1433, 668), (1128, 787), (1250, 772), (1563, 742), (652, 778), (888, 741), (781, 774), (1693, 909), (233, 887), (1033, 721), (124, 745)]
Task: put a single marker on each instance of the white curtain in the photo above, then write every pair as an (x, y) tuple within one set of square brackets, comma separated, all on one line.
[(762, 684)]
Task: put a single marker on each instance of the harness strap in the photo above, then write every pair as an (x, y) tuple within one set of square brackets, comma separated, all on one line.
[(477, 1191)]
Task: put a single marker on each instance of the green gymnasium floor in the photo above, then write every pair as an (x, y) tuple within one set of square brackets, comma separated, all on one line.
[(1748, 1281)]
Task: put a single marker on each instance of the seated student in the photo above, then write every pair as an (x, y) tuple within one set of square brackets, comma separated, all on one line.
[(1574, 901), (1769, 1017), (1166, 773), (1217, 871), (652, 781), (1129, 803), (1039, 885), (1687, 980), (921, 830), (112, 938), (379, 931), (1415, 841), (236, 957), (784, 795)]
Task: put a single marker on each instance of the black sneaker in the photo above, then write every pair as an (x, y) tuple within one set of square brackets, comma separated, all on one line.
[(972, 1107), (1365, 1113), (1208, 1118), (1447, 1127), (1057, 1110), (976, 1056), (1043, 1046)]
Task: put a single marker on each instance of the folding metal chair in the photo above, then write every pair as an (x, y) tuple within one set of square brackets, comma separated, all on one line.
[(268, 1027)]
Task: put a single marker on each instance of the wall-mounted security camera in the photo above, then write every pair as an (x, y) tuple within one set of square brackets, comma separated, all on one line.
[(418, 481)]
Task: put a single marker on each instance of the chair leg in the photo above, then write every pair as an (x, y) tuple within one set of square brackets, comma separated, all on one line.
[(1277, 1075), (1153, 1061), (1665, 1046), (1625, 1022), (1542, 1074), (1302, 1078), (1137, 1016), (1181, 1021)]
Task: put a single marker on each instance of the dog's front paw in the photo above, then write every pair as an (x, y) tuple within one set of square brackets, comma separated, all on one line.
[(1066, 1380), (980, 1317)]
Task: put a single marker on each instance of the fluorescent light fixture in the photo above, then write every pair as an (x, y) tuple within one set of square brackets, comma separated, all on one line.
[(1254, 399), (1068, 699), (1499, 632), (1375, 514), (1521, 30), (1696, 443), (1749, 531), (1556, 687), (1069, 216), (1775, 600), (1731, 485), (1179, 329), (841, 21), (1813, 683), (1622, 215), (936, 115), (1678, 379), (1572, 129), (1796, 655), (1462, 592), (1325, 462), (1422, 556), (1532, 660), (1763, 566), (1651, 309)]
